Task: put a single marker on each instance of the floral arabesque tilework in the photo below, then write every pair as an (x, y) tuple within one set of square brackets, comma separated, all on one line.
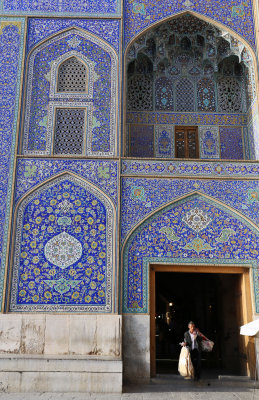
[(41, 28), (192, 229), (11, 57), (63, 249)]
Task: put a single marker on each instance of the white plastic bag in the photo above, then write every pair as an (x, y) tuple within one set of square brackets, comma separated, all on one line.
[(207, 345), (185, 366)]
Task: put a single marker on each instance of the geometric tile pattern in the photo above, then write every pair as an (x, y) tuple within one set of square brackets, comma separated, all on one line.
[(225, 238), (231, 143), (141, 141), (63, 252)]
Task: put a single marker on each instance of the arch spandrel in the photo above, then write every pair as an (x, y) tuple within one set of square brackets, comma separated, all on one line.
[(142, 16), (195, 230), (63, 253)]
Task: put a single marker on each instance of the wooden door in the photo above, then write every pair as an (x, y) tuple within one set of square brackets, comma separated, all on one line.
[(186, 142)]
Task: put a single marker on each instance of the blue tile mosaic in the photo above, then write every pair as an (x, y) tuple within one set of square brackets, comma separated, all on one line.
[(157, 192), (186, 118), (231, 143), (11, 56), (237, 16), (209, 142), (101, 101), (41, 28), (31, 172), (191, 169), (61, 7), (63, 253), (194, 230)]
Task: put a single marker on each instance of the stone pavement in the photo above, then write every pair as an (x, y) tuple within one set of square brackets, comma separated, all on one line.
[(161, 388)]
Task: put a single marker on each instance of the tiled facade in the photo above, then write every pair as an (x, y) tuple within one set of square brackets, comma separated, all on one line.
[(51, 203)]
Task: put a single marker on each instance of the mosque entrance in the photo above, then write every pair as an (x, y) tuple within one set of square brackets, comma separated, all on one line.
[(218, 300)]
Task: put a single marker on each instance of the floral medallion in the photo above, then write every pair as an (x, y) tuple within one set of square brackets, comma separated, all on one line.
[(63, 250)]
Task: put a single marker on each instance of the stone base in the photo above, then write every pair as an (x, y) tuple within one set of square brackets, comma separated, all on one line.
[(19, 373), (60, 353)]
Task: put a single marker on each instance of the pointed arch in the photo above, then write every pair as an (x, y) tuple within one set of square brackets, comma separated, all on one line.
[(65, 204), (202, 17), (169, 235), (254, 75), (38, 131), (55, 71)]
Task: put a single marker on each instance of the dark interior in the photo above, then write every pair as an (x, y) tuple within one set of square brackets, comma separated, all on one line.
[(212, 301)]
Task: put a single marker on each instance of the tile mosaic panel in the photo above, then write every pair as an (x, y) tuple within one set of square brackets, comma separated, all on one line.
[(11, 58), (209, 142), (157, 192), (63, 252), (231, 143), (41, 102), (164, 141), (41, 28), (193, 230), (186, 118), (141, 140), (237, 16), (102, 173), (60, 7), (209, 169)]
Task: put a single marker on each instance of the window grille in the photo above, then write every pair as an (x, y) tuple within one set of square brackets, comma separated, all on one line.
[(184, 95), (140, 93), (72, 75), (229, 95), (69, 131)]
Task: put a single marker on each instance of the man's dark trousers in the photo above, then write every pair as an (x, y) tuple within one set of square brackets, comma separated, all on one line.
[(196, 362)]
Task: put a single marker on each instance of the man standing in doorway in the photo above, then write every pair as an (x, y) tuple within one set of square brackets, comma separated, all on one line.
[(193, 339)]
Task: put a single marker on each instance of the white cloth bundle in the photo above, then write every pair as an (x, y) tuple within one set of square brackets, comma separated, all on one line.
[(185, 366)]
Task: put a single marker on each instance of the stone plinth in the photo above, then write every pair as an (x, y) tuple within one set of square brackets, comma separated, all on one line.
[(73, 353)]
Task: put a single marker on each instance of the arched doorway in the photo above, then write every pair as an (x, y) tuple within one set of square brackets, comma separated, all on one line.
[(186, 237)]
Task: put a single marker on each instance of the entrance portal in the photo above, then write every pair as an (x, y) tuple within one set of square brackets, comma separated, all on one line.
[(218, 302)]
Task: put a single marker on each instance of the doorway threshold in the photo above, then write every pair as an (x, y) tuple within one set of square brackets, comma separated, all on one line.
[(206, 382)]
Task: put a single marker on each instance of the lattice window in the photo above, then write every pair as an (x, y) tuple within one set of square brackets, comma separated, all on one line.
[(69, 131), (229, 95), (72, 76), (164, 94), (140, 93), (206, 95), (184, 95)]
